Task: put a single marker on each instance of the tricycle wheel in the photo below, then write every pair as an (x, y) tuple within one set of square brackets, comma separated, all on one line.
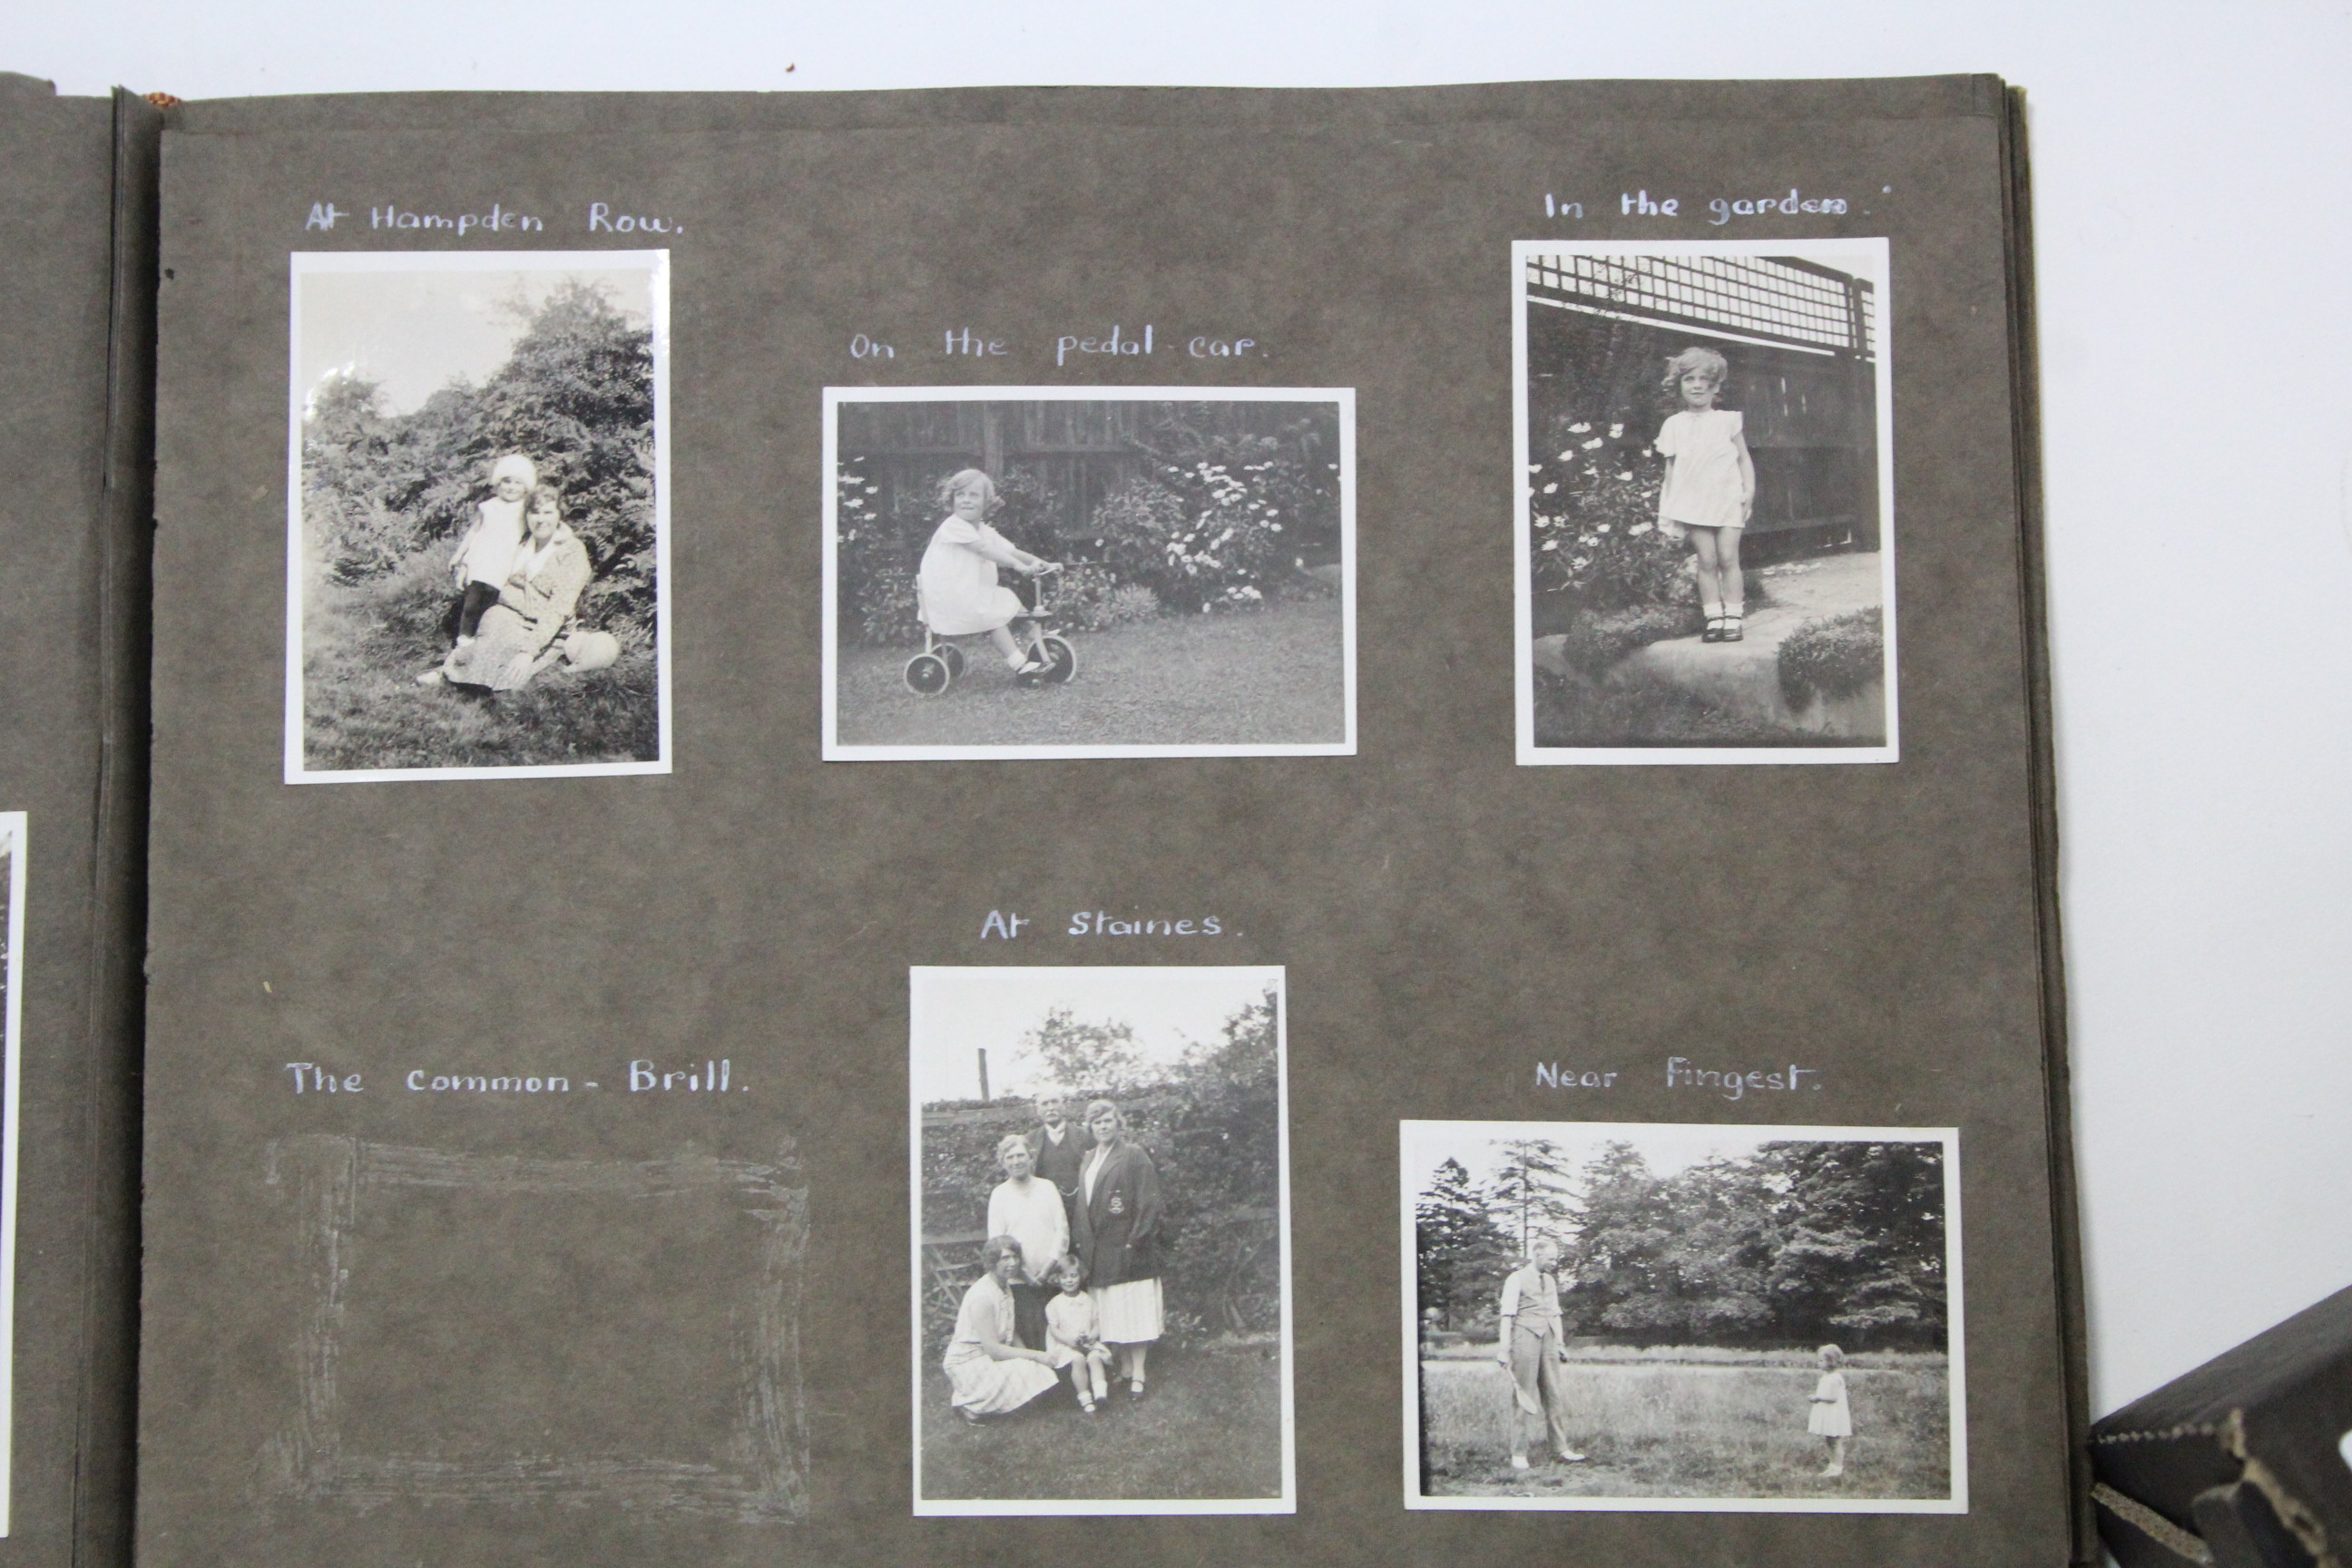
[(928, 675)]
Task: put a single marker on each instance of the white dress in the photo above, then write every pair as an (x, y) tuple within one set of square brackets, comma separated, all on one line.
[(1703, 488), (487, 554), (982, 1386), (1072, 1319), (957, 585), (1831, 1418)]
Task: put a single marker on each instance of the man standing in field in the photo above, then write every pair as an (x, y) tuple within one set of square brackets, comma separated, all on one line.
[(1531, 1349)]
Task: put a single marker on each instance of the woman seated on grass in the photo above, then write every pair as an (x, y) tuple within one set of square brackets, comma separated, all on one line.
[(517, 639), (989, 1371)]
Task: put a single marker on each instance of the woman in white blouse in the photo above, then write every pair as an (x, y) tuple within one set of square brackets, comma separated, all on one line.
[(1029, 1210)]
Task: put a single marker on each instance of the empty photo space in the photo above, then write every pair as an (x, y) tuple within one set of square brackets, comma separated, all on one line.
[(1706, 1317), (1705, 527), (1101, 1307), (1040, 572), (475, 579)]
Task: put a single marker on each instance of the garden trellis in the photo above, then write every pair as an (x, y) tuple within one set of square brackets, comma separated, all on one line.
[(1772, 298)]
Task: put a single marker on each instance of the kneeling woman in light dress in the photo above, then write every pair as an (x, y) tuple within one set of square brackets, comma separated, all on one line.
[(957, 585), (988, 1367)]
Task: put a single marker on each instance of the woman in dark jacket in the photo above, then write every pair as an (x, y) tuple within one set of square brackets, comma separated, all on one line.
[(1117, 1235)]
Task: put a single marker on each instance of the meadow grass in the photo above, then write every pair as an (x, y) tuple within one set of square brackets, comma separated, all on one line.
[(1694, 1423), (363, 647)]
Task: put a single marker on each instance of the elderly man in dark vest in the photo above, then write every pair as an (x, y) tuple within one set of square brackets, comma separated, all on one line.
[(1060, 1145)]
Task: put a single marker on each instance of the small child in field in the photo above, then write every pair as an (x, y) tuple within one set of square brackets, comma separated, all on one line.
[(1070, 1329), (1710, 486), (957, 585), (486, 554), (1831, 1419)]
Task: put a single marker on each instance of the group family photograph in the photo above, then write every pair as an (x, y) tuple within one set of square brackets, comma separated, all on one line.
[(1682, 1318), (1705, 502), (1121, 572), (477, 550), (1100, 1248)]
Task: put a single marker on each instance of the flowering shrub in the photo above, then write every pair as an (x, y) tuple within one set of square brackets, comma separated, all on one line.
[(1834, 657), (1090, 598), (1204, 537), (1596, 642), (1594, 516), (874, 567)]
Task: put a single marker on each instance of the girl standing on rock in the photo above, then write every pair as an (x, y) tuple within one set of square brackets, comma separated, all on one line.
[(1710, 486)]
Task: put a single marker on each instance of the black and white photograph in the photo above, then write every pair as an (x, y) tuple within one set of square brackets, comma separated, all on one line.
[(1101, 1217), (12, 927), (1638, 1316), (1706, 502), (478, 521), (1124, 572)]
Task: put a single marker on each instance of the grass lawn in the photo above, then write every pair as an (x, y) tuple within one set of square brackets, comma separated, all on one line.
[(1728, 1426), (1267, 676), (361, 708), (1210, 1428)]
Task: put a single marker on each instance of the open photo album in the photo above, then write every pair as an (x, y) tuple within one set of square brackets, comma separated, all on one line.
[(1285, 826)]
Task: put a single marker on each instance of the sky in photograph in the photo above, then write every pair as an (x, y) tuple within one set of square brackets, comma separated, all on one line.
[(1668, 1149), (958, 1012), (414, 332)]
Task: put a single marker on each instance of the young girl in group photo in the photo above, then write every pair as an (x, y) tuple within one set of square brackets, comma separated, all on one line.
[(1831, 1419), (1710, 486), (956, 586), (1070, 1325)]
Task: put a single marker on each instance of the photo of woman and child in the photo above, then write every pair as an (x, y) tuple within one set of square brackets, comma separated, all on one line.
[(477, 518), (1101, 1322)]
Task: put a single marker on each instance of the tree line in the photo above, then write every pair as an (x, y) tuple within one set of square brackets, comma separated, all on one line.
[(1798, 1242)]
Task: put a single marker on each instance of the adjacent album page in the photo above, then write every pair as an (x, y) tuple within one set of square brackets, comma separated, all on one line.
[(1303, 823), (77, 302)]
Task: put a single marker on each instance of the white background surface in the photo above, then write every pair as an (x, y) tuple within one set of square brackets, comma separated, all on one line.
[(2193, 171)]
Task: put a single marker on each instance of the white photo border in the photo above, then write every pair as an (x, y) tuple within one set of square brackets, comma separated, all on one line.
[(301, 262), (1275, 974), (1409, 1173), (13, 830), (1873, 255), (836, 750)]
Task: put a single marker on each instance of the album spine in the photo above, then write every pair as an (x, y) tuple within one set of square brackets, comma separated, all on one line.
[(105, 1479), (2025, 410)]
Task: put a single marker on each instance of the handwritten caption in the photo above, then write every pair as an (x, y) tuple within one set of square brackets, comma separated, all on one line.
[(1720, 210), (1005, 925), (643, 1075), (1082, 347), (1733, 1083), (600, 218)]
